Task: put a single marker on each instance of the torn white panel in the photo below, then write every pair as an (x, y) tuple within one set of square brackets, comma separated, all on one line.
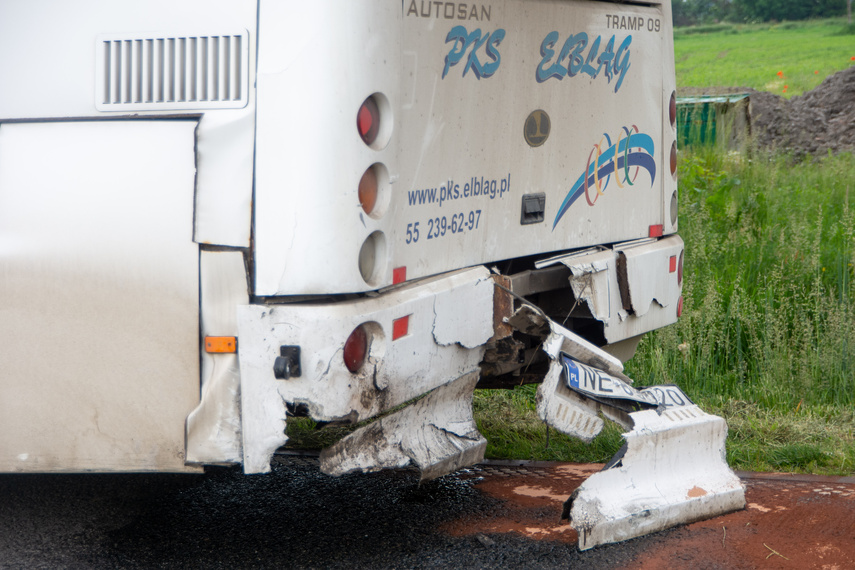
[(565, 410), (213, 428), (454, 322), (625, 304), (262, 419), (649, 275), (225, 150), (593, 280), (562, 340), (437, 434), (402, 364)]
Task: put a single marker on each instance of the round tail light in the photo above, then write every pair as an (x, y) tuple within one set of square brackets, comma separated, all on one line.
[(672, 109), (368, 190), (680, 307), (368, 121), (356, 349)]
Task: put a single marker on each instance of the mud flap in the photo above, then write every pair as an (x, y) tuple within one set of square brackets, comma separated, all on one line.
[(437, 434), (672, 468)]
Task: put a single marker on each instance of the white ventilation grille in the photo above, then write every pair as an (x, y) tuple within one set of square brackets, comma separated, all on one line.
[(171, 72)]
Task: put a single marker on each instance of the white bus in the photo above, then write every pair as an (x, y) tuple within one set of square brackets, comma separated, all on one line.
[(216, 214)]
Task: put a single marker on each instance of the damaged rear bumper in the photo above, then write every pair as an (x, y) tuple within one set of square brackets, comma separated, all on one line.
[(631, 288), (424, 337)]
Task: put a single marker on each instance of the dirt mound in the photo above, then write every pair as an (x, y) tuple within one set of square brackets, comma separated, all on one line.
[(816, 123)]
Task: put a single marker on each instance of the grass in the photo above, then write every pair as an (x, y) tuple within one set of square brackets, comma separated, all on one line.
[(752, 55), (767, 339), (508, 420)]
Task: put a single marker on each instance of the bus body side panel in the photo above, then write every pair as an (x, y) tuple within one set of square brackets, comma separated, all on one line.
[(99, 295)]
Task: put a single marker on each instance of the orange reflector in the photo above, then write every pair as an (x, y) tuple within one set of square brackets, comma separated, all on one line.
[(400, 327), (672, 264), (399, 275), (655, 230), (219, 344)]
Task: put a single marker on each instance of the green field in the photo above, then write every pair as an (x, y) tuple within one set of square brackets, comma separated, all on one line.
[(733, 55)]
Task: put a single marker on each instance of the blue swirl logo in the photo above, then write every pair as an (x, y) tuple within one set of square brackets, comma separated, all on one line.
[(607, 160)]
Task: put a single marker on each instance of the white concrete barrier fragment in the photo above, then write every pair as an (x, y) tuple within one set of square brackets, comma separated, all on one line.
[(672, 472), (672, 469)]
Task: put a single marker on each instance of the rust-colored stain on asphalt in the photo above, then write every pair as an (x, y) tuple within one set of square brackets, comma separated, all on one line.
[(787, 523), (533, 499)]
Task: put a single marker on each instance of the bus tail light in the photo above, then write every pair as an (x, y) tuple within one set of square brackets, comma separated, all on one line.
[(368, 121), (368, 190), (356, 349)]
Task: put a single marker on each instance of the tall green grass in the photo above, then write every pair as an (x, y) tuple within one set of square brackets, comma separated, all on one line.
[(769, 303), (752, 55), (767, 337)]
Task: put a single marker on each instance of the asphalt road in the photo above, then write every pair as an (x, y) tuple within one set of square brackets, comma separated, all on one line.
[(295, 517), (493, 516)]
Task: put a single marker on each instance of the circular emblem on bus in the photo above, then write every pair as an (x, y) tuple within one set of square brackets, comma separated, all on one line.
[(536, 128)]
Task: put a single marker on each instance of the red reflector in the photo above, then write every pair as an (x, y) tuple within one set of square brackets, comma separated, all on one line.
[(680, 307), (672, 264), (400, 327), (656, 230), (356, 349), (220, 344), (399, 275)]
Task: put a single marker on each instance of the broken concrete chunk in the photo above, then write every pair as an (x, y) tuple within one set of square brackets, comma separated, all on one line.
[(437, 434)]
